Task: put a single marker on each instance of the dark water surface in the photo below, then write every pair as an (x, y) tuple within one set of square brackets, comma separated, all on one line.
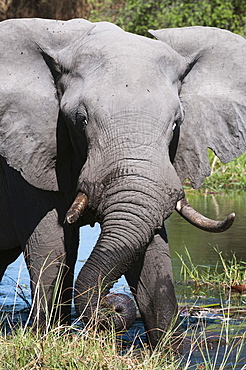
[(15, 292)]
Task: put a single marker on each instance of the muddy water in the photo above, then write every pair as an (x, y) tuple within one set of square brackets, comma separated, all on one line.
[(15, 293)]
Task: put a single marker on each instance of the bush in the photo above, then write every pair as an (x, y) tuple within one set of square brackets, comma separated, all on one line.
[(138, 16)]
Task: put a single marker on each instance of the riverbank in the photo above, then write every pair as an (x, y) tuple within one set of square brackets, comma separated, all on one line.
[(213, 335)]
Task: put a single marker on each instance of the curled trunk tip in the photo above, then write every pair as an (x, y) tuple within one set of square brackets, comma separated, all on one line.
[(202, 222), (77, 208)]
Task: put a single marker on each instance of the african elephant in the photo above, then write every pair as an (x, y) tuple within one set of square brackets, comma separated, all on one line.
[(115, 121)]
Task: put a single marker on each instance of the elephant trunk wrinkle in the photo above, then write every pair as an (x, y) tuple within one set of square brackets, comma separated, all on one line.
[(77, 208), (130, 211), (123, 238), (202, 222)]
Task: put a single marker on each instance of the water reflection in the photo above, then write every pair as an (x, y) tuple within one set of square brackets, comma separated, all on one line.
[(200, 244)]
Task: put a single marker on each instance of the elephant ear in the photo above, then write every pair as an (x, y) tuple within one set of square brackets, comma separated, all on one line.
[(213, 95), (29, 106)]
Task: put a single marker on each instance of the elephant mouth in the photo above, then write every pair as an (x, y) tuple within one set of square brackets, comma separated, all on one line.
[(183, 208)]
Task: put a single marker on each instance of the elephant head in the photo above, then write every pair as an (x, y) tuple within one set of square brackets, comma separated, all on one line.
[(124, 119), (139, 146)]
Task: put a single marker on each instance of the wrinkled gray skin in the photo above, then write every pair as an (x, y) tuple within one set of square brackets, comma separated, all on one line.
[(90, 107)]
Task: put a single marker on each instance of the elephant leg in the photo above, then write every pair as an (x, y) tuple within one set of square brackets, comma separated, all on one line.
[(7, 257), (151, 282), (49, 246), (51, 272), (50, 254)]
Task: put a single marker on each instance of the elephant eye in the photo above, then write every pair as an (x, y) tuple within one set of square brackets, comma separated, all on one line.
[(176, 124), (176, 132), (81, 120), (178, 121)]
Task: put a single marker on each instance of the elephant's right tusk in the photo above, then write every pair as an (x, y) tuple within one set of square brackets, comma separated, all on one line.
[(77, 208), (200, 221)]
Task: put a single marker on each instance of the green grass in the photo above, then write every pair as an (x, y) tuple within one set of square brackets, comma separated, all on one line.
[(89, 348), (225, 274), (218, 284), (70, 348), (224, 177)]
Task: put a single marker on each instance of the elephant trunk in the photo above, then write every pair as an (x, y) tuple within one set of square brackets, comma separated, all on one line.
[(127, 228)]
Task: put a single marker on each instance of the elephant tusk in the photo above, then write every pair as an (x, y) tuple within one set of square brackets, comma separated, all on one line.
[(200, 221), (77, 208)]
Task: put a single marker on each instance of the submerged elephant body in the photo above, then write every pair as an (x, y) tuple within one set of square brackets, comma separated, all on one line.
[(90, 109)]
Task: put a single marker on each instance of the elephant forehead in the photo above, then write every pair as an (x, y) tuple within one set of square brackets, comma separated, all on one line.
[(122, 98), (124, 80), (121, 51)]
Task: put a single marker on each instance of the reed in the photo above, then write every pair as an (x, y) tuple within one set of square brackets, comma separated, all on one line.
[(90, 347)]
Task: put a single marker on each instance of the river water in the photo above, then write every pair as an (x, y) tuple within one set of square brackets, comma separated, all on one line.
[(181, 235), (200, 243)]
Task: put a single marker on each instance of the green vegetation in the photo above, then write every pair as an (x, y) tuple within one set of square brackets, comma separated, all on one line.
[(89, 348), (136, 16), (225, 274), (228, 176), (71, 348), (224, 177)]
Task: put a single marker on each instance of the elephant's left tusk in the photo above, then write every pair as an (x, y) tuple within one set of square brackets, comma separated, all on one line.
[(200, 221), (77, 208)]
